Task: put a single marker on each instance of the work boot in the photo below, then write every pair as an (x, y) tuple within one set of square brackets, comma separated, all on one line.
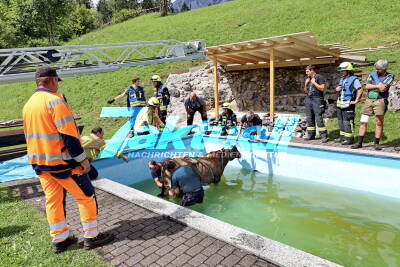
[(347, 142), (338, 140), (309, 137), (324, 140), (100, 240), (63, 246), (356, 146)]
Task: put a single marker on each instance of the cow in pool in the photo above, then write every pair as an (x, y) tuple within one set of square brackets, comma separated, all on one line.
[(209, 167)]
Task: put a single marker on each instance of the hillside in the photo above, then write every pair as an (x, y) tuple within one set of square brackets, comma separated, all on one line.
[(357, 23)]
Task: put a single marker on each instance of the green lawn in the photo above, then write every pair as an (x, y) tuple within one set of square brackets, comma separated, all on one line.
[(25, 240), (357, 23)]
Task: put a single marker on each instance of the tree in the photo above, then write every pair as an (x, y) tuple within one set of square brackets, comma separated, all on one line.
[(147, 4), (184, 7), (86, 3), (117, 5), (81, 21), (164, 6), (105, 11), (49, 14)]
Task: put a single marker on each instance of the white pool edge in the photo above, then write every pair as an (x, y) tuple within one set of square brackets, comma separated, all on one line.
[(263, 247)]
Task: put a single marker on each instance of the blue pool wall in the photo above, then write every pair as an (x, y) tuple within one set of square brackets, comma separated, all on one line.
[(379, 175)]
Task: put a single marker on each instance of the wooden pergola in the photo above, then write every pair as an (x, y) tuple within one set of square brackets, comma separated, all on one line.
[(297, 49)]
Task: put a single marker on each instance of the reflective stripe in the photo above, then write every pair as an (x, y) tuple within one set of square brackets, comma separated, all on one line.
[(55, 102), (53, 157), (60, 237), (322, 128), (43, 136), (57, 226), (88, 225), (64, 121), (342, 133), (80, 157), (91, 234), (311, 128), (348, 134)]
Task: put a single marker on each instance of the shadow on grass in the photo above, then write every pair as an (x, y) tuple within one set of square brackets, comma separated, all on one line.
[(27, 190), (6, 195), (12, 230)]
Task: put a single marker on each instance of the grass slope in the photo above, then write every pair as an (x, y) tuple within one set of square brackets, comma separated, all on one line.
[(357, 23), (25, 240)]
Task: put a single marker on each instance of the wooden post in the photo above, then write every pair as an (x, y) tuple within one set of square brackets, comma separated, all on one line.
[(271, 84), (216, 95)]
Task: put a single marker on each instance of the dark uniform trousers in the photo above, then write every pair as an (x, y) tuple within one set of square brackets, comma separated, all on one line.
[(346, 123), (190, 115), (315, 108), (191, 198)]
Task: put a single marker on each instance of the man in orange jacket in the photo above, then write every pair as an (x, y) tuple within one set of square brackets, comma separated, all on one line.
[(56, 154)]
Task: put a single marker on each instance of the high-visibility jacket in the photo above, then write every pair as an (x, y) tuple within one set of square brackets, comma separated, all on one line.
[(162, 94), (92, 144), (228, 118), (147, 117), (51, 134), (348, 92), (135, 97)]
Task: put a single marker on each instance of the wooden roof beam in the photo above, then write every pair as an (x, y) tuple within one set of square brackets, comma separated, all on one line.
[(237, 58), (261, 48), (282, 64), (313, 47)]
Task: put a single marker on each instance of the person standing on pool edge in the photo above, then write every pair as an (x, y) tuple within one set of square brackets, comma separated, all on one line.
[(314, 87), (349, 92), (162, 94), (56, 155), (377, 84)]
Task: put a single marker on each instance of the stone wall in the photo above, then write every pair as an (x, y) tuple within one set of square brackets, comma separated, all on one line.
[(249, 90)]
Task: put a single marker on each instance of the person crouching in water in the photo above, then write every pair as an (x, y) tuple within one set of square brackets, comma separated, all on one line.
[(186, 182), (155, 170), (227, 118), (93, 144), (349, 94)]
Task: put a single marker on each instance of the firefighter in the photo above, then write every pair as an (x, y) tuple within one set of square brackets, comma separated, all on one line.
[(162, 94), (377, 84), (349, 94), (148, 117), (134, 95), (93, 144), (194, 103), (227, 118), (56, 155), (314, 87)]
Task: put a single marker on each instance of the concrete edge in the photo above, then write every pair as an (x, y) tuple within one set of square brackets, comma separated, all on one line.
[(265, 248), (347, 150)]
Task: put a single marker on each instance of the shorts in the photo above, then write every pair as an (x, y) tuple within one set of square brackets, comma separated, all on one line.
[(377, 107)]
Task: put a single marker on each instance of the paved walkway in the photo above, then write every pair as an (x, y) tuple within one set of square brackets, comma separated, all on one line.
[(144, 238)]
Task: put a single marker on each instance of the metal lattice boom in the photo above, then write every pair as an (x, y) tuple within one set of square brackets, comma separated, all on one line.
[(19, 64)]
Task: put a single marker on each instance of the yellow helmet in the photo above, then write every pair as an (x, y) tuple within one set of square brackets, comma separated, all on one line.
[(345, 66), (155, 78), (227, 105), (153, 101)]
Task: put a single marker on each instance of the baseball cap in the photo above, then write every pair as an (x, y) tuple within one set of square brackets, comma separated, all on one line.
[(46, 71)]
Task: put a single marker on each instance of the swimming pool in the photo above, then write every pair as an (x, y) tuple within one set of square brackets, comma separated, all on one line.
[(339, 206)]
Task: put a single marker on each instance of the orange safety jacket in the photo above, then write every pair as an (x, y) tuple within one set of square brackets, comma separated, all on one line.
[(51, 134)]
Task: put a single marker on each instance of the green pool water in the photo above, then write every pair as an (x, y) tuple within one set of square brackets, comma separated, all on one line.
[(349, 227)]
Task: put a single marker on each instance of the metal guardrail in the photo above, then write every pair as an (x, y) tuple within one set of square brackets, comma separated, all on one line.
[(19, 64)]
